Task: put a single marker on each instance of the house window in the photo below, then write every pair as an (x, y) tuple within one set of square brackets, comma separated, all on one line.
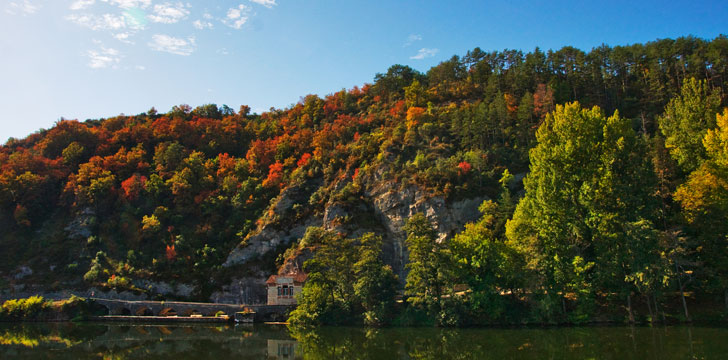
[(279, 291)]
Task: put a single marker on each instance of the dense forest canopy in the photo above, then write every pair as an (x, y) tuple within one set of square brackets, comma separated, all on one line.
[(626, 192)]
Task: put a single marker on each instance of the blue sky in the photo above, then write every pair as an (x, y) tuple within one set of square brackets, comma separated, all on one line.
[(81, 59)]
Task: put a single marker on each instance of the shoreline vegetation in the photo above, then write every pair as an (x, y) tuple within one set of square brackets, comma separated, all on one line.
[(75, 309), (602, 179)]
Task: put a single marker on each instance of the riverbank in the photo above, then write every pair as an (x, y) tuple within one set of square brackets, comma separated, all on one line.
[(38, 309), (95, 340), (161, 319)]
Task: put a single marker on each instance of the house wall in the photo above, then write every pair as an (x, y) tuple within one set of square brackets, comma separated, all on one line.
[(272, 295), (275, 299)]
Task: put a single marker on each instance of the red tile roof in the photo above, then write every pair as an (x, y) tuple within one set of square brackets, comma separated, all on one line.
[(298, 278)]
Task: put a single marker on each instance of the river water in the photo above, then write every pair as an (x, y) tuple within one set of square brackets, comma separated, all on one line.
[(179, 342)]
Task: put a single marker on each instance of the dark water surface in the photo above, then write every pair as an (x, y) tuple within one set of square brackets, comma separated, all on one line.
[(179, 342)]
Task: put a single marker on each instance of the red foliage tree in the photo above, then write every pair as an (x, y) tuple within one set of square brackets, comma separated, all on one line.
[(464, 167), (133, 186), (275, 175), (304, 159), (170, 253)]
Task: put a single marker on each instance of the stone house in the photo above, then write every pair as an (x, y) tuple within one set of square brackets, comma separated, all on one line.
[(282, 289)]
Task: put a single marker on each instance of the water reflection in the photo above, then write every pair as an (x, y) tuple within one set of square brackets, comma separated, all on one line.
[(114, 341)]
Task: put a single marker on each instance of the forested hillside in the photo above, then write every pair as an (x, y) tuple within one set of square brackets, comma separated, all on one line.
[(626, 194)]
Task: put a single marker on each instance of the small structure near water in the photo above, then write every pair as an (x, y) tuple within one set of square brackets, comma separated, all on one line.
[(282, 289)]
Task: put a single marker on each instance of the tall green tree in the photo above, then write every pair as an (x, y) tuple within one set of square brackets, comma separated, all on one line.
[(429, 265), (485, 262), (347, 281), (376, 284), (704, 202), (686, 120), (588, 179)]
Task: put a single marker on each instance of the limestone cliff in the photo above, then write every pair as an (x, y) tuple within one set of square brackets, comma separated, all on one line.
[(380, 206)]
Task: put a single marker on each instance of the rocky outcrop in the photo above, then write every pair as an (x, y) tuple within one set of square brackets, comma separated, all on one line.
[(383, 207), (266, 240), (393, 208), (80, 227), (176, 291), (280, 232), (243, 290)]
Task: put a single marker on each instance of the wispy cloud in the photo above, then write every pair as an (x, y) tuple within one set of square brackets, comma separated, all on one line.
[(81, 4), (424, 53), (173, 45), (201, 25), (237, 16), (128, 4), (412, 38), (267, 3), (169, 13), (124, 37), (103, 58), (24, 7), (98, 22)]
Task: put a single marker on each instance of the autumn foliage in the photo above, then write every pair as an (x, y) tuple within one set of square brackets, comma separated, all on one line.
[(158, 186)]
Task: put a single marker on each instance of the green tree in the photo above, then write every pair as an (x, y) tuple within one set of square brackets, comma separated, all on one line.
[(588, 178), (704, 202), (328, 296), (485, 262), (429, 265), (376, 283), (686, 120)]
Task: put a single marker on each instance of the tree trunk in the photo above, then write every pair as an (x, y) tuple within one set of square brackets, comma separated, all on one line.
[(649, 308), (657, 310), (682, 294), (629, 308)]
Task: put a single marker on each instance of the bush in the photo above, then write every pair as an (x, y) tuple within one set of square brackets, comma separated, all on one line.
[(24, 309)]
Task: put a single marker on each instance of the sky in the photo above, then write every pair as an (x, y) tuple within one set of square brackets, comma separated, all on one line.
[(90, 59)]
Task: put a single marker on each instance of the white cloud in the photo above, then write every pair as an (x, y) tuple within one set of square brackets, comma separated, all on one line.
[(128, 4), (201, 25), (169, 13), (412, 38), (207, 16), (140, 67), (103, 58), (81, 4), (25, 7), (267, 3), (237, 17), (98, 22), (425, 53), (124, 37), (173, 45)]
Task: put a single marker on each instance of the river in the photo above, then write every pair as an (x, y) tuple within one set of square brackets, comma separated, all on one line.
[(179, 342)]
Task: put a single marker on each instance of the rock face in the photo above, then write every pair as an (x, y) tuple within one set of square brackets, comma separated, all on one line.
[(277, 234), (80, 227), (178, 291), (384, 204), (268, 239), (243, 290), (393, 208)]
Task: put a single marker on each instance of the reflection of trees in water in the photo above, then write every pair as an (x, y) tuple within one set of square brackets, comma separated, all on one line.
[(561, 343), (276, 342), (159, 342)]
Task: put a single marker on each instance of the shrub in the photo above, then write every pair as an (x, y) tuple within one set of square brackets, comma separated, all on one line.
[(24, 309)]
